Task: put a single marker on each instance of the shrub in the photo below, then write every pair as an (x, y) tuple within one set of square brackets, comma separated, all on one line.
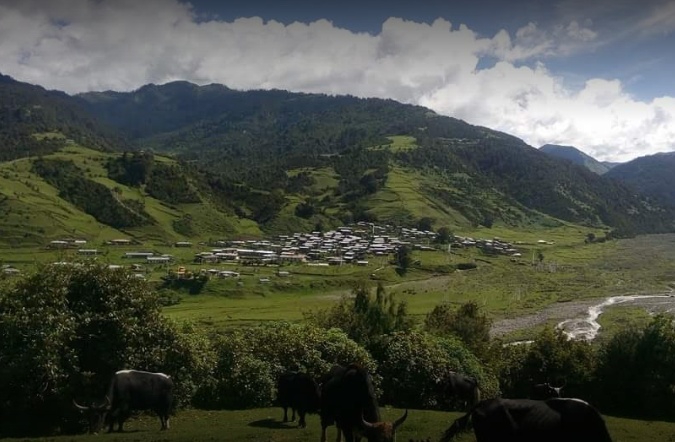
[(257, 356), (364, 319), (65, 330), (467, 323), (413, 364)]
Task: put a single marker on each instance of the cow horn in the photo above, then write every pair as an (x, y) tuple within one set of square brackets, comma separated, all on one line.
[(401, 420), (80, 407), (108, 404), (365, 424)]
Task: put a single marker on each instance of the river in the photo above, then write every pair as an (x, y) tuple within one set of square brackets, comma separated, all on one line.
[(579, 319)]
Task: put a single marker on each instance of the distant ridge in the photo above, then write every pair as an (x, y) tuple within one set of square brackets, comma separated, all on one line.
[(578, 157), (653, 175)]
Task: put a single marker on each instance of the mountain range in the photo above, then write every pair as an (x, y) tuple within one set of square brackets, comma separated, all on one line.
[(276, 161)]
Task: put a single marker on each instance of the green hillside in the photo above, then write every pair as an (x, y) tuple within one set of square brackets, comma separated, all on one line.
[(33, 210), (388, 161), (233, 163)]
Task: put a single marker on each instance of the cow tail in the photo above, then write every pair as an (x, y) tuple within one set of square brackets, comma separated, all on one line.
[(459, 426)]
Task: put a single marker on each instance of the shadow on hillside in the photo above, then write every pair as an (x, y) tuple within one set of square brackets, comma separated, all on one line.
[(273, 424)]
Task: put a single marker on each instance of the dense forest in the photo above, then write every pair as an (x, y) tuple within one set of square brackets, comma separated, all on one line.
[(35, 121), (652, 175)]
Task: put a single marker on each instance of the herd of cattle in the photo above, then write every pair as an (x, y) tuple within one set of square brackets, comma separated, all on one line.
[(345, 397)]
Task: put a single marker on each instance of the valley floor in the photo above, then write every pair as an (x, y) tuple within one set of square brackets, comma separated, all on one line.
[(265, 425)]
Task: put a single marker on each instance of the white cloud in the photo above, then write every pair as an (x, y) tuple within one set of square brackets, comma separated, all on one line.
[(121, 45)]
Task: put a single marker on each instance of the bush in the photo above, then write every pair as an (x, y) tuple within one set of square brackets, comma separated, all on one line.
[(250, 361), (413, 364), (364, 319), (65, 330), (636, 370), (467, 323)]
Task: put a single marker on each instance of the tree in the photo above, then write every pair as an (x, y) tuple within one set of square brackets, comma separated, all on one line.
[(425, 223), (66, 329), (590, 238), (403, 259), (364, 319), (467, 323), (444, 235)]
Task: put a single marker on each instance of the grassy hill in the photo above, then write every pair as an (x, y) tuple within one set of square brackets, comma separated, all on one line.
[(34, 211), (387, 161), (279, 162)]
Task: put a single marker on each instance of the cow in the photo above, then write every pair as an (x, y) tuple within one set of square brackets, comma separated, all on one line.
[(131, 390), (545, 391), (527, 420), (299, 392), (462, 388), (348, 401)]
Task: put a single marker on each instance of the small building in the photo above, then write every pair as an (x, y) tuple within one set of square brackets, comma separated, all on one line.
[(87, 252), (158, 259), (58, 244), (120, 242), (361, 263), (281, 274), (11, 271), (183, 244), (138, 255), (264, 280)]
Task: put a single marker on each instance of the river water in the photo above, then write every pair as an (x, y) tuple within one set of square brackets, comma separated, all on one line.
[(587, 327), (579, 319)]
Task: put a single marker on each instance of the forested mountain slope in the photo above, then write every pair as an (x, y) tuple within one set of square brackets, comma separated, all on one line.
[(281, 142), (652, 175), (577, 157), (34, 121)]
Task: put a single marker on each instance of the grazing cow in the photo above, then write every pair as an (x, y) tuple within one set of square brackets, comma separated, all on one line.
[(545, 391), (348, 400), (131, 390), (526, 420), (463, 389), (299, 392)]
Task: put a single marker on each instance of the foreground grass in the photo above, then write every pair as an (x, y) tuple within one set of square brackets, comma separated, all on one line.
[(265, 425)]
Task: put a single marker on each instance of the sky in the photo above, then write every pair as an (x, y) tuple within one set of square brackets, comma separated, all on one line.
[(595, 74)]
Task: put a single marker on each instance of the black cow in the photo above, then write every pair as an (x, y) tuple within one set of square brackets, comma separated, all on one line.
[(299, 392), (526, 420), (348, 401), (545, 391), (131, 390), (463, 389)]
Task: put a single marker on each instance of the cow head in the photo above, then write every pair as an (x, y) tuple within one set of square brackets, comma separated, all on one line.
[(381, 431), (96, 414)]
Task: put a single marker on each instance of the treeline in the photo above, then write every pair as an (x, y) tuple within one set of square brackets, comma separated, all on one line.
[(89, 196), (65, 330)]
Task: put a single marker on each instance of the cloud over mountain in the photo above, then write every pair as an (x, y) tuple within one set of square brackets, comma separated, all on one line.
[(93, 45)]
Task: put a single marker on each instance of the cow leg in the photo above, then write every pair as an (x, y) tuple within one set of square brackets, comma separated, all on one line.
[(293, 417), (339, 435), (349, 435), (302, 423), (285, 414), (323, 432)]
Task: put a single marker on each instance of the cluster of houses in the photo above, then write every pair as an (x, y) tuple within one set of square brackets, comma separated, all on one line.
[(493, 246), (345, 245)]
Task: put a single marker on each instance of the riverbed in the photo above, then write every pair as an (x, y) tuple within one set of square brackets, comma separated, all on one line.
[(579, 319)]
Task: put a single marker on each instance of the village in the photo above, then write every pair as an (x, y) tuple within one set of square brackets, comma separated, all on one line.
[(359, 245)]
